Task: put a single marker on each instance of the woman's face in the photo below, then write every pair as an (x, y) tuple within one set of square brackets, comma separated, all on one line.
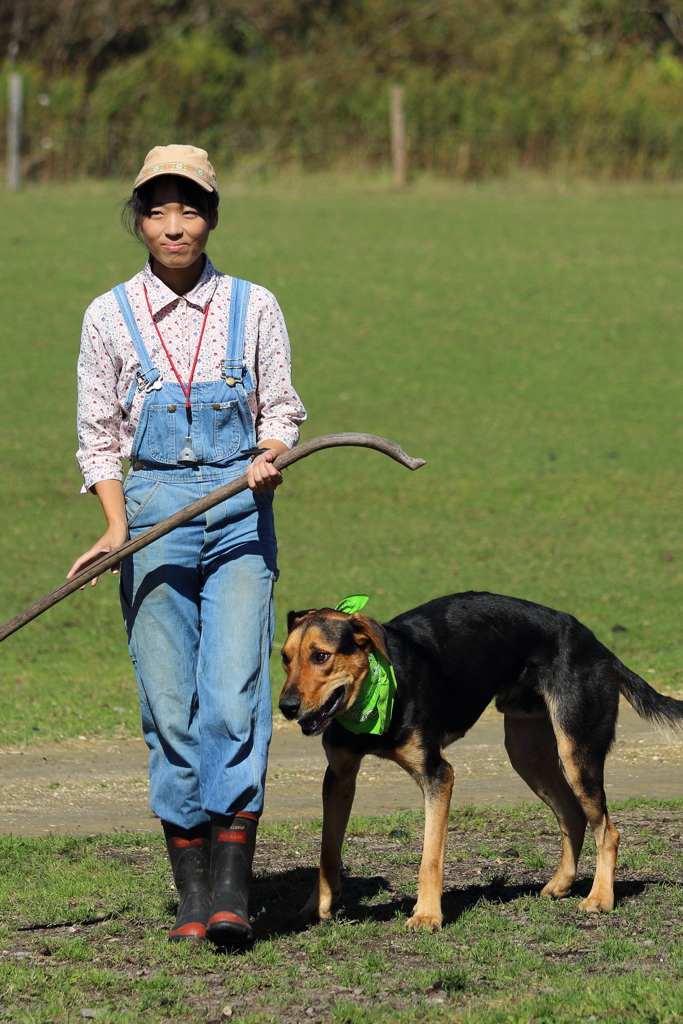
[(175, 233)]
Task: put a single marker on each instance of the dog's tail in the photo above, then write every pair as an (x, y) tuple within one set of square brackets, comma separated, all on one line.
[(664, 713)]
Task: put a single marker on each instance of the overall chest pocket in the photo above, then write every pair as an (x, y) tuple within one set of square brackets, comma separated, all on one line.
[(220, 430), (214, 432), (161, 434)]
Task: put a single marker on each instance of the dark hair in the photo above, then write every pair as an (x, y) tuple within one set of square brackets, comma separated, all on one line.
[(139, 205)]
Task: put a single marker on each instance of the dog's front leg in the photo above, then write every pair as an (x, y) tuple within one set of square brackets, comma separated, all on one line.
[(339, 789), (437, 794), (434, 776)]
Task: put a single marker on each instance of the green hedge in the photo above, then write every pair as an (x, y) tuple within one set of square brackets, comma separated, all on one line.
[(592, 87)]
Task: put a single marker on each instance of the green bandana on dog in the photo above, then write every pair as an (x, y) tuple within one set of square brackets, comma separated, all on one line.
[(372, 708)]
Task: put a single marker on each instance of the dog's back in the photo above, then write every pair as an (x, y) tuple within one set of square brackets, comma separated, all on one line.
[(455, 654)]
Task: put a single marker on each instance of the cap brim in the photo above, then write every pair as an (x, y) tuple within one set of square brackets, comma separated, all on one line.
[(162, 171)]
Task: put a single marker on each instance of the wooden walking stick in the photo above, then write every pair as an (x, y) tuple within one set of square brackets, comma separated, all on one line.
[(96, 568)]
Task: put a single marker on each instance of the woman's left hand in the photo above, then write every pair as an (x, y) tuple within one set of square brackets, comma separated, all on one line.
[(262, 474)]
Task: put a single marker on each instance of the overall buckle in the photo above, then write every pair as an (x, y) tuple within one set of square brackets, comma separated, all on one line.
[(231, 374), (146, 385)]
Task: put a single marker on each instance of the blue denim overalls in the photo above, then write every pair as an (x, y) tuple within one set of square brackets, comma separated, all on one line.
[(198, 603)]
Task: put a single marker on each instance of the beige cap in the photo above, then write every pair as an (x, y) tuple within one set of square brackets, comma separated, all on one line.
[(187, 161)]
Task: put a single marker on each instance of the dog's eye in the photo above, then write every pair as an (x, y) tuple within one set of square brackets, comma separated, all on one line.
[(319, 657)]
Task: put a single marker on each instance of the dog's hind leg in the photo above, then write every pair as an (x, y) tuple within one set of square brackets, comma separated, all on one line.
[(584, 770), (532, 748), (436, 782), (339, 789)]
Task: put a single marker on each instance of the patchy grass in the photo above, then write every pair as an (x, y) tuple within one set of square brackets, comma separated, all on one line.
[(85, 921)]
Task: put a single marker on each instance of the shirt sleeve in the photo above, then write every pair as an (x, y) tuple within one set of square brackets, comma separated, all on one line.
[(280, 410), (99, 411)]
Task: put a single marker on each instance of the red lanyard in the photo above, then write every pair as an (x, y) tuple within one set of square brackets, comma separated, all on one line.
[(186, 390)]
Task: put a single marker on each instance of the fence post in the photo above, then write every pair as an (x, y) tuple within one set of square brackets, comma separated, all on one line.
[(398, 136), (463, 162), (14, 112)]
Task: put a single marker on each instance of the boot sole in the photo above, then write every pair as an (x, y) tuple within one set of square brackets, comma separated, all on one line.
[(228, 930), (193, 931)]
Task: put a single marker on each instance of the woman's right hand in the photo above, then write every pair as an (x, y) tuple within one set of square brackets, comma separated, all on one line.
[(114, 537), (110, 493)]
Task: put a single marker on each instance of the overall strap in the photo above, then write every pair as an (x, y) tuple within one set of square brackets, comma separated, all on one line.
[(231, 366), (148, 374)]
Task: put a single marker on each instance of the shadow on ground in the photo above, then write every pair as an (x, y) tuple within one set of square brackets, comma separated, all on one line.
[(277, 899)]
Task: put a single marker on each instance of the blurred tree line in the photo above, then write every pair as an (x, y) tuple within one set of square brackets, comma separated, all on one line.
[(592, 86)]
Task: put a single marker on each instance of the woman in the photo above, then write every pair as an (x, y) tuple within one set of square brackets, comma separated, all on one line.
[(183, 371)]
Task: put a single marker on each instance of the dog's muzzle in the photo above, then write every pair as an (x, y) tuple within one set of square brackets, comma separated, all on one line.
[(314, 722)]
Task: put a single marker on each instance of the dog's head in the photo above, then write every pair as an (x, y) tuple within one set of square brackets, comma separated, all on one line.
[(325, 657)]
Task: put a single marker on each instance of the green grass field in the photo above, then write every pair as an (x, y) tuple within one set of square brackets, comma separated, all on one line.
[(84, 924), (526, 342)]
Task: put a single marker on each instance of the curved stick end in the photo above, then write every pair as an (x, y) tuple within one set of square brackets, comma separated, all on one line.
[(417, 463)]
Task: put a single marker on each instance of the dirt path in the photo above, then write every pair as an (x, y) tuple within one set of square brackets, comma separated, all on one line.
[(86, 786)]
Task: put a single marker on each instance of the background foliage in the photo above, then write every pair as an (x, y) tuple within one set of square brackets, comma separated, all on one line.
[(593, 86)]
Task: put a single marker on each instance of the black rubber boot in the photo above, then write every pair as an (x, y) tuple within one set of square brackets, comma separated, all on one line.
[(189, 851), (233, 838)]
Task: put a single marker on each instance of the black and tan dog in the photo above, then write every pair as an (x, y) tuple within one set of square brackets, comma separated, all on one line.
[(556, 684)]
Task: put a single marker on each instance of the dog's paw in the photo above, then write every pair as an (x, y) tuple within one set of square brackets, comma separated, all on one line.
[(312, 913), (318, 910), (556, 889), (432, 922), (594, 905)]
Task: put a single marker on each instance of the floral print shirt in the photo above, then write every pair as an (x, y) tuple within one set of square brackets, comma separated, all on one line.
[(108, 364)]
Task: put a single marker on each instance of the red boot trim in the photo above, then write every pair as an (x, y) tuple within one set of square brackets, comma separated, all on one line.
[(182, 843), (224, 916), (193, 930), (238, 814)]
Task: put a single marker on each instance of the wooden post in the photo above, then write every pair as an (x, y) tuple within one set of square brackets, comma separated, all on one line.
[(463, 163), (14, 112), (398, 136)]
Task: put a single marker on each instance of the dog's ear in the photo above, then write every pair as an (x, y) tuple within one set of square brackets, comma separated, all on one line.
[(368, 631), (294, 618)]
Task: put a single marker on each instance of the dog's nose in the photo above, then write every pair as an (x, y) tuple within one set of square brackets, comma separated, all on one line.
[(289, 706)]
